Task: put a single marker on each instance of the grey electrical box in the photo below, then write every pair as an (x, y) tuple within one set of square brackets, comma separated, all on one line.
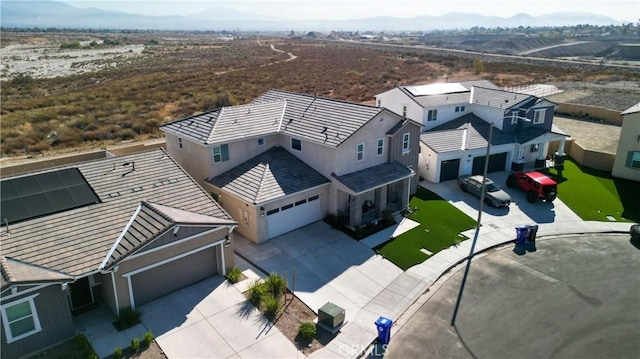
[(331, 315)]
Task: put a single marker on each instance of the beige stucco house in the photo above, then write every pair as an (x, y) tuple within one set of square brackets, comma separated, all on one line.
[(457, 118), (287, 159), (627, 161), (118, 231)]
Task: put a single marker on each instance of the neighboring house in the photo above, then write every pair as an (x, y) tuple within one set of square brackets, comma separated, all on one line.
[(288, 159), (627, 161), (457, 118), (121, 231)]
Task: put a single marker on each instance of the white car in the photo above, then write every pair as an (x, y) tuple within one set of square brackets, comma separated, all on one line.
[(493, 196)]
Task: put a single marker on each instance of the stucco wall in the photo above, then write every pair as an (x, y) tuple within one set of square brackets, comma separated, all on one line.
[(629, 141), (611, 116), (55, 319), (592, 159), (193, 157), (394, 99)]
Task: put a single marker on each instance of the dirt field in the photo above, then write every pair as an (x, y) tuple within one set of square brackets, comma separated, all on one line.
[(592, 135)]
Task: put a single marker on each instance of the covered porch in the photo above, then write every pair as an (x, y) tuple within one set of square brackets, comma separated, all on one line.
[(365, 196)]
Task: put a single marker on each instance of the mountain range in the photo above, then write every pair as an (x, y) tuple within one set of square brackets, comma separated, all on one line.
[(50, 14)]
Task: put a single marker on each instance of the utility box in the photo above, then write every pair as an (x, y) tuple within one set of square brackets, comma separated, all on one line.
[(330, 315)]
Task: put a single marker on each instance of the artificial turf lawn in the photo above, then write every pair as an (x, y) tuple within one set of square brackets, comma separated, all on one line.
[(440, 223), (593, 195)]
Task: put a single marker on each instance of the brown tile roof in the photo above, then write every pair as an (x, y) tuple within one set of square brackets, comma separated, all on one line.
[(77, 241)]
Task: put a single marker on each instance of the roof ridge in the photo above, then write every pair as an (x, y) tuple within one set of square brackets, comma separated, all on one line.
[(6, 270), (264, 172), (216, 122), (157, 210), (323, 98)]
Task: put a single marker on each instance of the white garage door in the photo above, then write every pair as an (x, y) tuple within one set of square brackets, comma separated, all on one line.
[(293, 216)]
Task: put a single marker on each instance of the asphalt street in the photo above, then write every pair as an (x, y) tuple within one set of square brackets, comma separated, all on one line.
[(574, 297)]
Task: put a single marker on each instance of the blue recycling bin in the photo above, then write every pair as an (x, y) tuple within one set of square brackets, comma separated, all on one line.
[(521, 234), (384, 329)]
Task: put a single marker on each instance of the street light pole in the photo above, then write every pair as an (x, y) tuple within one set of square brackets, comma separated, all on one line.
[(475, 236)]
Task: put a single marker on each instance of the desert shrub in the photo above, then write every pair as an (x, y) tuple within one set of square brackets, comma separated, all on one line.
[(127, 318), (275, 285), (71, 45), (307, 330), (117, 353), (83, 346), (271, 306), (256, 292), (147, 338), (22, 79), (234, 275), (126, 134), (135, 344)]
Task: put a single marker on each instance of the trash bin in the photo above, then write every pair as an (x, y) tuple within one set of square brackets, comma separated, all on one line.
[(384, 329), (521, 234), (531, 235)]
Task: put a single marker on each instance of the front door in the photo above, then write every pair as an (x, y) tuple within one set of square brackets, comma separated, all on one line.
[(80, 293)]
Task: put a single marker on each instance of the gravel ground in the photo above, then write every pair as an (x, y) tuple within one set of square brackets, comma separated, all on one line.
[(592, 135)]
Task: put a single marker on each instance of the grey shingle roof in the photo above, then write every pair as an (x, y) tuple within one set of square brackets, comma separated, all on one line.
[(497, 98), (273, 174), (452, 135), (76, 241), (230, 123), (374, 177), (318, 119)]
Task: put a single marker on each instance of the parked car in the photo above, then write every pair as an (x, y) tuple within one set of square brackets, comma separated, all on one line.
[(493, 196), (537, 185), (634, 231)]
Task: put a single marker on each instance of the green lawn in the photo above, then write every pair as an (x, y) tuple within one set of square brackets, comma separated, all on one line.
[(440, 223), (593, 195)]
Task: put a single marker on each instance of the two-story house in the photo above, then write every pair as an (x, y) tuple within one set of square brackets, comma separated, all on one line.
[(287, 159), (627, 160), (458, 119)]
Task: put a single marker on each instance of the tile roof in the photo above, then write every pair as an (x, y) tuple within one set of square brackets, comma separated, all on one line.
[(497, 98), (273, 174), (76, 242), (318, 119), (231, 123), (471, 132), (16, 272), (374, 177), (455, 96)]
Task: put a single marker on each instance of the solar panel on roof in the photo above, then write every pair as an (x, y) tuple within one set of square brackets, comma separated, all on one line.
[(43, 194)]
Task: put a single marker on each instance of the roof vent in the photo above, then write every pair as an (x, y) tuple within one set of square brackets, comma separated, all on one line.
[(324, 129)]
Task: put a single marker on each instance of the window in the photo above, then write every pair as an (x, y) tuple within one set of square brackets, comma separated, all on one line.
[(538, 116), (405, 143), (273, 211), (379, 102), (360, 152), (261, 141), (296, 144), (432, 115), (404, 111), (301, 202), (514, 117), (533, 148), (633, 159), (180, 142), (380, 149), (220, 153), (20, 319), (313, 198), (286, 207), (459, 108)]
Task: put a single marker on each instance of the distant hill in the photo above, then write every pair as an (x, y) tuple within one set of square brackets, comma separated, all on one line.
[(46, 14)]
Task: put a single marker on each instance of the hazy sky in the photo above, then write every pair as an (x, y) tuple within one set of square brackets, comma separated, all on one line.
[(622, 10)]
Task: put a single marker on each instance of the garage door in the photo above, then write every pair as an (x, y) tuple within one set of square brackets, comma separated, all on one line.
[(497, 162), (449, 169), (166, 278), (293, 216)]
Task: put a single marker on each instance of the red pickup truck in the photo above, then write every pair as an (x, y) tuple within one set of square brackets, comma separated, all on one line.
[(535, 184)]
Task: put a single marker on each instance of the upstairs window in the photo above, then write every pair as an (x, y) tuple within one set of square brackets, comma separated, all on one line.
[(460, 108), (296, 144), (261, 141), (379, 102), (20, 319), (220, 153), (514, 118), (380, 147), (538, 116), (180, 142), (404, 111), (633, 159), (360, 152), (432, 115), (405, 142)]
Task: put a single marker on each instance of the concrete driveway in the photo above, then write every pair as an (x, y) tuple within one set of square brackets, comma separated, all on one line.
[(212, 319), (518, 213)]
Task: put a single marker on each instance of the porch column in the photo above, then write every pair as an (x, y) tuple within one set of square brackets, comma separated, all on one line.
[(541, 161), (559, 160), (383, 198), (355, 211), (560, 152), (518, 161)]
